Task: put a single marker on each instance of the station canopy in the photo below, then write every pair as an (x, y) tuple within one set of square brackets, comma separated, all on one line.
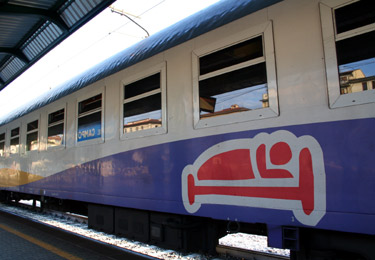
[(29, 29)]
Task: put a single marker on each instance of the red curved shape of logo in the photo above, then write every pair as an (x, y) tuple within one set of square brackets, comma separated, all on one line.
[(277, 171)]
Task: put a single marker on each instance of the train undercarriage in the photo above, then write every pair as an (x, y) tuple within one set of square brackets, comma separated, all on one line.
[(199, 234)]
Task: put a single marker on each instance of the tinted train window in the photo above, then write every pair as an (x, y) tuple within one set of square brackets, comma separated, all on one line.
[(355, 46), (32, 136), (56, 128), (232, 55), (142, 107), (348, 36), (233, 79), (2, 144), (15, 140), (353, 16), (90, 118)]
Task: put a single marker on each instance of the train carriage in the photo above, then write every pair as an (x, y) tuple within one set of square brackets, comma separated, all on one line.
[(250, 115)]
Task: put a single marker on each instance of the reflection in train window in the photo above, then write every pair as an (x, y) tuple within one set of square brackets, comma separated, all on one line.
[(56, 128), (142, 104), (15, 140), (355, 38), (90, 118), (2, 144), (233, 79), (32, 136)]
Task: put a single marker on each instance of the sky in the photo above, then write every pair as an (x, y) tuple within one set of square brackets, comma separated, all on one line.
[(102, 37)]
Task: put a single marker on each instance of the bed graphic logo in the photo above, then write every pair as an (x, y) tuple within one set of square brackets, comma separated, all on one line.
[(274, 171)]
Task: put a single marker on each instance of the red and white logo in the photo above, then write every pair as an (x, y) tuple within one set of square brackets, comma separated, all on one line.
[(275, 171)]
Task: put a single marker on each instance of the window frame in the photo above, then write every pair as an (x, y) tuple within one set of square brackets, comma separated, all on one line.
[(100, 90), (265, 30), (159, 68), (32, 131), (336, 99), (50, 111)]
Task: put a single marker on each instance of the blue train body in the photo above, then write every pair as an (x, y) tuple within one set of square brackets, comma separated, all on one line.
[(150, 178)]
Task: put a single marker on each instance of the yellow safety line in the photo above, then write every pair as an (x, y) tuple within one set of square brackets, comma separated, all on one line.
[(41, 244)]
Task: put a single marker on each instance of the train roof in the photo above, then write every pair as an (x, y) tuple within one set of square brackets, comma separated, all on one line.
[(197, 24)]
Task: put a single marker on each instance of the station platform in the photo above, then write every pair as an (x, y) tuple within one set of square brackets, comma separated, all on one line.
[(23, 239)]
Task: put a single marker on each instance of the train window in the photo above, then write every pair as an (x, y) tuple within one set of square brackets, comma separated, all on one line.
[(236, 82), (349, 34), (56, 128), (144, 104), (241, 52), (32, 142), (15, 140), (90, 118), (2, 144)]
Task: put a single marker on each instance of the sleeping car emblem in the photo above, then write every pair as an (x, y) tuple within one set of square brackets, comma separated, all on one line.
[(274, 171)]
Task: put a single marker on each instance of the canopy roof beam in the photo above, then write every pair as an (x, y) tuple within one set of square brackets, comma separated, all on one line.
[(15, 52), (53, 17)]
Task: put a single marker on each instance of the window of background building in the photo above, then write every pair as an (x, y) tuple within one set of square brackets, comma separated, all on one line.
[(2, 144), (32, 136), (90, 118), (56, 128), (349, 36), (15, 140)]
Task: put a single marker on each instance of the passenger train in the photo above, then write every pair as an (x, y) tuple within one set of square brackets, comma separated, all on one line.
[(251, 115)]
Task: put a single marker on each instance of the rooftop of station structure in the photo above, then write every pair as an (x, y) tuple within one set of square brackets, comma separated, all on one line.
[(29, 29)]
